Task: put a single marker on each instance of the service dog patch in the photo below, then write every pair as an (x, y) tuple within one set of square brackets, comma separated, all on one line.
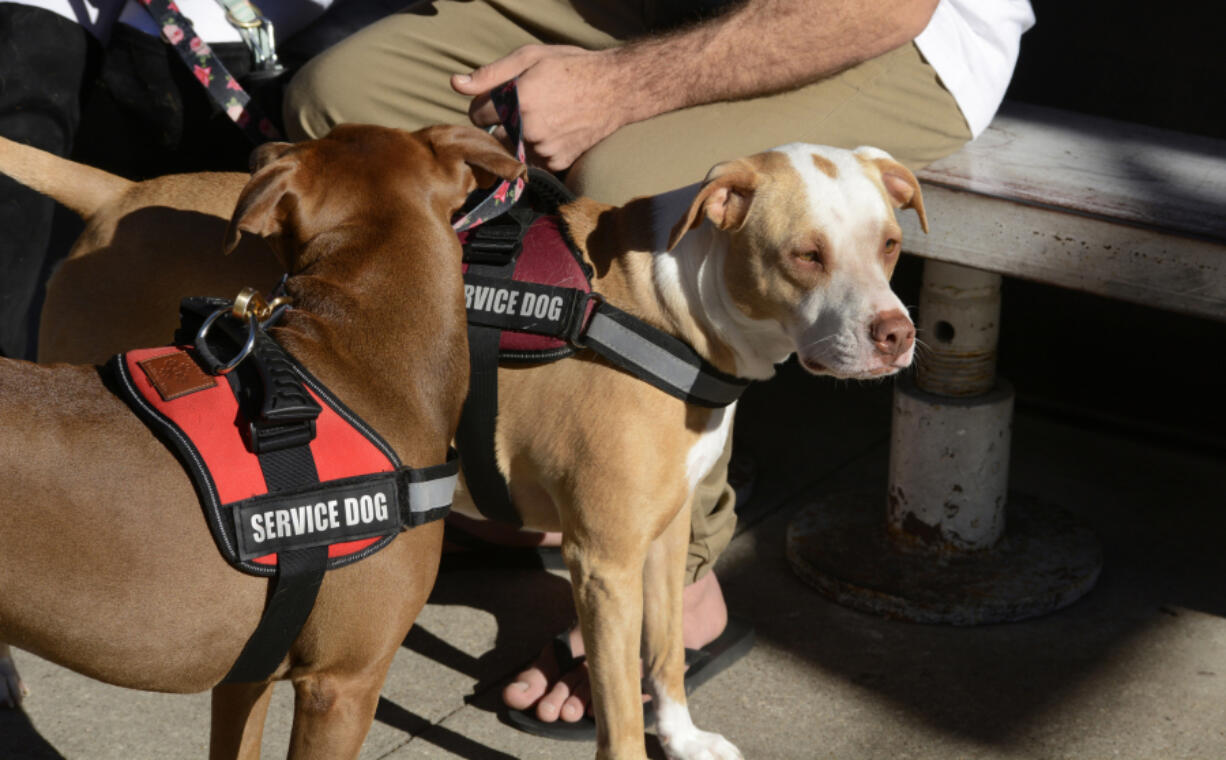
[(317, 517), (538, 300), (520, 306)]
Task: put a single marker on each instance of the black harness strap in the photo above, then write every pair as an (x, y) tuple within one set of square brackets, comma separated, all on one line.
[(287, 464), (290, 601), (300, 573), (491, 253), (658, 358)]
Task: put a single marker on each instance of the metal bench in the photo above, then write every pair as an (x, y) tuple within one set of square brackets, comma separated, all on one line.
[(1100, 206)]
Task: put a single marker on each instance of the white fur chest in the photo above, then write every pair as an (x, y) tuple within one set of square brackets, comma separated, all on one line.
[(703, 455)]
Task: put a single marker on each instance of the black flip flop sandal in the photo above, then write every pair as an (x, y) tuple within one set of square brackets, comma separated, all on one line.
[(702, 665)]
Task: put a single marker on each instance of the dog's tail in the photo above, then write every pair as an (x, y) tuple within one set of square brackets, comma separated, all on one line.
[(81, 188)]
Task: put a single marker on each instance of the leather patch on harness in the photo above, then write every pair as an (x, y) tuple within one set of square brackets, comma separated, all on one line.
[(176, 375)]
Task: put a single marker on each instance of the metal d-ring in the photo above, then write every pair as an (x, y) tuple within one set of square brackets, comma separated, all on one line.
[(202, 347)]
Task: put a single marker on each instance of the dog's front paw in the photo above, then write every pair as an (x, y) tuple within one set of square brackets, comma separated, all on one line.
[(11, 688), (699, 745)]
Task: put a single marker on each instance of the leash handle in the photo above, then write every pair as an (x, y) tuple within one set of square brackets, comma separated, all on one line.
[(502, 196)]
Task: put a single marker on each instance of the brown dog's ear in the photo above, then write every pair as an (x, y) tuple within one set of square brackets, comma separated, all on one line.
[(264, 203), (900, 184), (724, 198), (265, 154), (481, 151)]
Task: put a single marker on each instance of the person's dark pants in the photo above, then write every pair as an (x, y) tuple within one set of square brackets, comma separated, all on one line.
[(131, 108), (43, 60)]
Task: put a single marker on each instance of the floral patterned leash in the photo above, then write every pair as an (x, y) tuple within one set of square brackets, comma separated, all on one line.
[(223, 88), (502, 196), (227, 93)]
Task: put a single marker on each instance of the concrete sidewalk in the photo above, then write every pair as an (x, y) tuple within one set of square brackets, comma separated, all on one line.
[(1137, 669)]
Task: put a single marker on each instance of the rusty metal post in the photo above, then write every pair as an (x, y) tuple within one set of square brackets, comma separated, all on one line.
[(956, 546), (949, 445), (959, 322)]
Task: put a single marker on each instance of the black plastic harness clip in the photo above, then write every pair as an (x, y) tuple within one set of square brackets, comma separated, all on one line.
[(497, 241), (579, 320), (288, 412)]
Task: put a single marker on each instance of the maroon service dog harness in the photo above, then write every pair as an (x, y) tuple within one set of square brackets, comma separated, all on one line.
[(529, 298), (292, 482)]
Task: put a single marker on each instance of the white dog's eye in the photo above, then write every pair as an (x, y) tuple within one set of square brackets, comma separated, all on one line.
[(813, 256), (891, 245)]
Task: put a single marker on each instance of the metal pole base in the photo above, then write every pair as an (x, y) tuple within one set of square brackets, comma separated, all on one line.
[(1046, 560)]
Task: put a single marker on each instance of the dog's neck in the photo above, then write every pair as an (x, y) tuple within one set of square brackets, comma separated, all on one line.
[(379, 334), (681, 291)]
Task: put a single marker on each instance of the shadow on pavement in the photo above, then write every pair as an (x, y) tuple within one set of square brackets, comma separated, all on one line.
[(397, 717), (20, 740)]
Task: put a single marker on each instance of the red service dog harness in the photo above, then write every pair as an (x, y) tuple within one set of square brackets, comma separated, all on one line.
[(292, 482)]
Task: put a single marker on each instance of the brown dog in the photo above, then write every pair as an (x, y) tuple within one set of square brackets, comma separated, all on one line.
[(789, 251), (105, 565)]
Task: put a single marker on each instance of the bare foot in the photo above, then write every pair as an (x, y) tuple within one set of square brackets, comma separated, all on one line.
[(567, 696), (11, 688)]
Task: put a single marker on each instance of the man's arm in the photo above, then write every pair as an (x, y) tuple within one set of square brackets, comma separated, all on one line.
[(572, 98)]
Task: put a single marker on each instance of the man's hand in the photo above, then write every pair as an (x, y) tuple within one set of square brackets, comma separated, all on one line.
[(569, 99)]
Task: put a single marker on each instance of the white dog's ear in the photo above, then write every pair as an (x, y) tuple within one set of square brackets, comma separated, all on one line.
[(900, 184), (724, 198)]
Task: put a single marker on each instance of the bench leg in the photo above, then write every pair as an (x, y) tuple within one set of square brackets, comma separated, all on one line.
[(956, 546)]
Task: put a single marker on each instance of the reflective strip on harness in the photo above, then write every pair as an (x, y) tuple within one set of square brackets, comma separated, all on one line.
[(660, 359)]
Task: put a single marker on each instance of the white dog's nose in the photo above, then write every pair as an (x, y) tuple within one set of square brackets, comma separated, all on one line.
[(892, 333)]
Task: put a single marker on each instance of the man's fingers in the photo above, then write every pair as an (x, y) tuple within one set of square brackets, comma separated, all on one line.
[(485, 78)]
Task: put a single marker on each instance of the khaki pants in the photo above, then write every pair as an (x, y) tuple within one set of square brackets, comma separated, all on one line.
[(396, 72)]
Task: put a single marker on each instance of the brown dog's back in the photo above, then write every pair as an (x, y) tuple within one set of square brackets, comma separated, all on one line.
[(141, 241), (139, 248)]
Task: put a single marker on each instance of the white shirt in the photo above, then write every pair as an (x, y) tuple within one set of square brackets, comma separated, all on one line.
[(208, 18), (973, 45)]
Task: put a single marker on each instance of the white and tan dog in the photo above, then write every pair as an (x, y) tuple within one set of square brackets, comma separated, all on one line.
[(788, 251)]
